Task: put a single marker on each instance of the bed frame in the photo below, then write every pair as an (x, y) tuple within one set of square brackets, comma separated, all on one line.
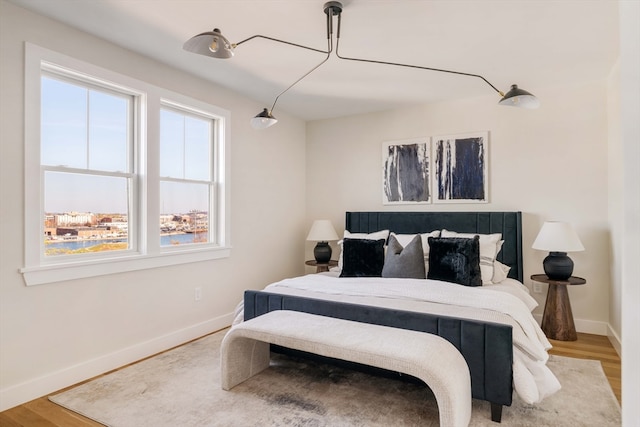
[(487, 347)]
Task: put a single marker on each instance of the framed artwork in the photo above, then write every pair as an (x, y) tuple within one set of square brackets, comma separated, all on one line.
[(461, 168), (406, 170)]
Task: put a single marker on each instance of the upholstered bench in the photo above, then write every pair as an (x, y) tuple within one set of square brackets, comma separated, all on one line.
[(245, 352)]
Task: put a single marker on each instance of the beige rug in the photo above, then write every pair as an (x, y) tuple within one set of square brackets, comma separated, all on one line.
[(182, 388)]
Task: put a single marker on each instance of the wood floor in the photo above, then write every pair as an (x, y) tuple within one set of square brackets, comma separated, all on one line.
[(42, 413)]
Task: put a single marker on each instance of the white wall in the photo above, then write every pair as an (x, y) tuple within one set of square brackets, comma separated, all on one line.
[(549, 163), (56, 335), (630, 136), (615, 203)]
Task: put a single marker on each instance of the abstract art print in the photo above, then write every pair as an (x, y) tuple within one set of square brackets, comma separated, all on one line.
[(406, 172), (461, 168)]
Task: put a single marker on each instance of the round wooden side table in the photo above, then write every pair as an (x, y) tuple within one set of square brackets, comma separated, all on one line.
[(321, 266), (557, 320)]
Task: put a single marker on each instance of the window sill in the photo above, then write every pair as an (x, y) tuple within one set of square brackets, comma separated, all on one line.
[(41, 275)]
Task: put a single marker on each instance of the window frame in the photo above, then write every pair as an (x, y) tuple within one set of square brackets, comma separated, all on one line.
[(132, 174), (216, 129), (148, 100)]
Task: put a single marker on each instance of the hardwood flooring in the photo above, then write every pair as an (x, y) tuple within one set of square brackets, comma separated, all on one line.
[(42, 413)]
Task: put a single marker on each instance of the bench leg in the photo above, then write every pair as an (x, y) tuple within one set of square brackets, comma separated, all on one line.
[(241, 358), (496, 412)]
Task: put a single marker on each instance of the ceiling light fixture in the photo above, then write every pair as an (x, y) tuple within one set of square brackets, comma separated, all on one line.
[(215, 45)]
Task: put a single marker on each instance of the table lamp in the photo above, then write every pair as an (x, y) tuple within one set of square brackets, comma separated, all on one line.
[(322, 231), (558, 238)]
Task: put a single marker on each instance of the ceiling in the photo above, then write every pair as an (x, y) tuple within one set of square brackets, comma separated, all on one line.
[(535, 43)]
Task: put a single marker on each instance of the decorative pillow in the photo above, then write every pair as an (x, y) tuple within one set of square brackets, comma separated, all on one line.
[(404, 262), (490, 245), (382, 234), (362, 258), (455, 259), (404, 240), (500, 272)]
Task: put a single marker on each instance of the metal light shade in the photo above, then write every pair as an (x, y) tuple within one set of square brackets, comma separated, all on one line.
[(263, 120), (517, 97), (211, 43)]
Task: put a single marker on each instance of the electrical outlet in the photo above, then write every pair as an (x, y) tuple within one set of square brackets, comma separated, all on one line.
[(197, 295), (537, 287)]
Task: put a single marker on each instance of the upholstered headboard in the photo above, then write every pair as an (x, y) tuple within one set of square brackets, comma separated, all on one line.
[(507, 223)]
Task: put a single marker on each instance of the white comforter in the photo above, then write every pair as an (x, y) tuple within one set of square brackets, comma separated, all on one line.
[(505, 303)]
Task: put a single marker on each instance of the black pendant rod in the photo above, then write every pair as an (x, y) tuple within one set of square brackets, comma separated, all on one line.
[(372, 61), (279, 41), (329, 50)]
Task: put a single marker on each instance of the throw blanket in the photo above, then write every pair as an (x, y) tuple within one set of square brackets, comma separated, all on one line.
[(532, 379)]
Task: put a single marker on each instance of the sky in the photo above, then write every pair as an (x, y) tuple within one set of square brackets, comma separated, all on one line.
[(87, 129)]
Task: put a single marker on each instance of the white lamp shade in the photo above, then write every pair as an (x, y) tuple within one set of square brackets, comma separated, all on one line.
[(322, 231), (555, 236)]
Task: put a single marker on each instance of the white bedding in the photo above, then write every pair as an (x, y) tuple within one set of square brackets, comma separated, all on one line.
[(506, 302)]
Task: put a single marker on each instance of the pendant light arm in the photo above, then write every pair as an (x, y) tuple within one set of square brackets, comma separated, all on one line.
[(328, 52), (330, 49), (279, 41), (373, 61)]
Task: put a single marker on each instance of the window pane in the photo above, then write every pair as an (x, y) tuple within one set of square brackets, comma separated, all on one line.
[(197, 149), (85, 213), (185, 146), (171, 144), (184, 213), (108, 135), (63, 130)]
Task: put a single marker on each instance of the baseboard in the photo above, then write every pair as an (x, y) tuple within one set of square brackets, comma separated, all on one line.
[(615, 340), (585, 326), (21, 393), (591, 327)]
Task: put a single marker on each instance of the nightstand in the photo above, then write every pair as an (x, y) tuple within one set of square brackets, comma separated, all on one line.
[(321, 266), (557, 320)]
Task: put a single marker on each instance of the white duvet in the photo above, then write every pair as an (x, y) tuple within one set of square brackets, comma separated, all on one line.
[(507, 303)]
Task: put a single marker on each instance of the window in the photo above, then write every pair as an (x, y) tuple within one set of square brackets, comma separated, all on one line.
[(186, 170), (120, 175), (86, 158)]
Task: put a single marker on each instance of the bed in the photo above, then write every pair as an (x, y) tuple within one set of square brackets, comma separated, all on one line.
[(492, 348)]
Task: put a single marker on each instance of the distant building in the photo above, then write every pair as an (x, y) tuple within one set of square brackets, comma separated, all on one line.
[(82, 232), (74, 218)]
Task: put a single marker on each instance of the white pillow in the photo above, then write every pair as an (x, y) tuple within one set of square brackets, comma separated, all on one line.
[(382, 234), (500, 271), (405, 239), (490, 245)]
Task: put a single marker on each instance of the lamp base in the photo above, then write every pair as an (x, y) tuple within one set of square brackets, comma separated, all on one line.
[(558, 266), (322, 252)]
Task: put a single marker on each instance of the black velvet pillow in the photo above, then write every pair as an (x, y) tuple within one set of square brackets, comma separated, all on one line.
[(362, 257), (455, 259), (404, 262)]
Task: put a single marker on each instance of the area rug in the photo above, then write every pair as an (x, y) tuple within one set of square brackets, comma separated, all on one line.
[(182, 388)]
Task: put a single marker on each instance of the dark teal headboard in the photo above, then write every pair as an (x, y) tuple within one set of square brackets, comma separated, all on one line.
[(507, 223)]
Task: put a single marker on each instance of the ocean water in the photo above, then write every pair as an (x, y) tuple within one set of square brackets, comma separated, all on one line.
[(165, 240)]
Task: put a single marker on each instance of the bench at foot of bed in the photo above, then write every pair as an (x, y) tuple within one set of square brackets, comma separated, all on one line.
[(245, 352)]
